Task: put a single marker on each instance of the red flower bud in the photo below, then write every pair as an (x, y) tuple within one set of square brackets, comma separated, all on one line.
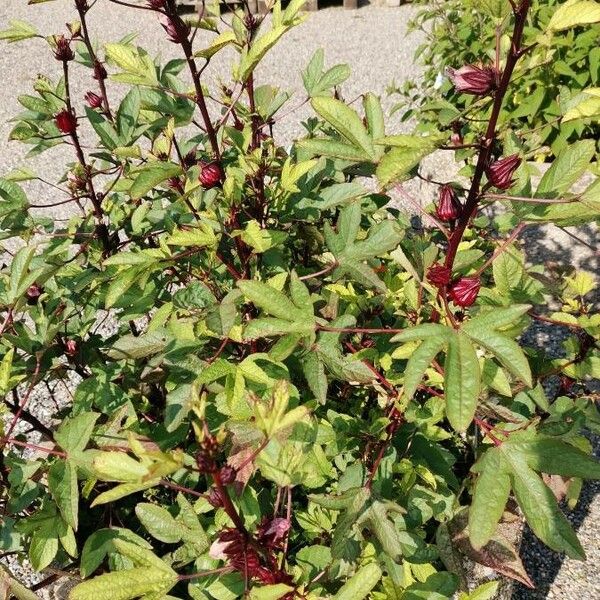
[(34, 291), (500, 173), (439, 275), (93, 100), (177, 29), (214, 498), (99, 71), (63, 50), (81, 4), (211, 174), (449, 207), (70, 347), (66, 121), (465, 291), (472, 79), (227, 475), (175, 184)]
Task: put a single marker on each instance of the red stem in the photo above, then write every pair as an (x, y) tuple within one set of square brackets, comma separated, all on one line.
[(485, 154)]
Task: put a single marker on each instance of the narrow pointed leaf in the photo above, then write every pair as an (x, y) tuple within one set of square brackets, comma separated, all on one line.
[(462, 382)]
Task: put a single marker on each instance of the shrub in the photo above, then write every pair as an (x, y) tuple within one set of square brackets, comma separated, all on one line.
[(301, 395), (554, 96)]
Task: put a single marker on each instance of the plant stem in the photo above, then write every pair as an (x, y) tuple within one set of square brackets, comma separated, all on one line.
[(101, 229), (485, 154), (82, 10), (186, 46)]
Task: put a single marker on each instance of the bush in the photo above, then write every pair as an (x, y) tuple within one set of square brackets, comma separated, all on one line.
[(549, 96), (300, 395)]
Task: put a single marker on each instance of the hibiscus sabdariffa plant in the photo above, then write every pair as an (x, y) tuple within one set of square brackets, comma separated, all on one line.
[(301, 395)]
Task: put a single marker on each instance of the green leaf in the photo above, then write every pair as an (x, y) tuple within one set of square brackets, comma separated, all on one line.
[(269, 592), (333, 148), (118, 466), (573, 14), (125, 585), (314, 371), (158, 522), (221, 41), (551, 455), (490, 496), (257, 51), (5, 371), (495, 318), (18, 31), (541, 510), (462, 381), (360, 584), (508, 352), (135, 347), (272, 301), (102, 126), (62, 484), (128, 114), (396, 166), (42, 548), (138, 67), (74, 433), (152, 175), (567, 168), (346, 122), (419, 362), (587, 106)]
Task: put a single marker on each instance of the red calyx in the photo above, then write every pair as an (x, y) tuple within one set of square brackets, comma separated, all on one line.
[(177, 29), (500, 173), (66, 121), (63, 50), (472, 79), (93, 100), (448, 206), (211, 175), (465, 290), (439, 275)]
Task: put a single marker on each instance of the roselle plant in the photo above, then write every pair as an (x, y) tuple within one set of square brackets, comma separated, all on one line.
[(555, 95), (302, 394)]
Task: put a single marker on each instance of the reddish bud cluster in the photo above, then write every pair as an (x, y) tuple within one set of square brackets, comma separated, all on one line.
[(33, 293), (465, 290), (93, 100), (448, 206), (66, 121), (70, 347), (175, 184), (190, 159), (439, 275), (177, 29), (227, 475), (241, 554), (500, 173), (272, 533), (214, 498), (99, 71), (211, 175), (206, 457), (63, 50), (472, 79)]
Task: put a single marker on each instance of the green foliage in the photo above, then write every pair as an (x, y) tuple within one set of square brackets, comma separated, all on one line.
[(286, 403), (554, 91)]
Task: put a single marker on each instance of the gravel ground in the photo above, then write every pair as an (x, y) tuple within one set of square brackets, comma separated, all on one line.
[(374, 42)]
